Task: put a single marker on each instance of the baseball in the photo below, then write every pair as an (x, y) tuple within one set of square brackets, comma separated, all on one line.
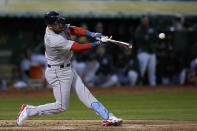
[(162, 35)]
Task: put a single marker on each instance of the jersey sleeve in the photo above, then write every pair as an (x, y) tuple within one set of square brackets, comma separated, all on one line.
[(77, 30), (60, 43), (81, 47)]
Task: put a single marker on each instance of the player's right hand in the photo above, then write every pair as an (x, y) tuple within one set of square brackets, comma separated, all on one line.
[(99, 42), (96, 43)]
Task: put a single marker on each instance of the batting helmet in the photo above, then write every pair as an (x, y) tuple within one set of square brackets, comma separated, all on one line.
[(53, 18)]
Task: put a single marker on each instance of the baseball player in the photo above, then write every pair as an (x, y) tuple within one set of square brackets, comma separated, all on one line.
[(145, 42), (61, 76)]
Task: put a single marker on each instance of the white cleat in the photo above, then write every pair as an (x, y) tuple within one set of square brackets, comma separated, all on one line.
[(22, 115), (112, 121)]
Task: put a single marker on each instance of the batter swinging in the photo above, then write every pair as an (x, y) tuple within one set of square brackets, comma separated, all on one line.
[(60, 74)]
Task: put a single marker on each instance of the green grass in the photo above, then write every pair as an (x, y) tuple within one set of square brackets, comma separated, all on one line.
[(102, 7), (154, 106)]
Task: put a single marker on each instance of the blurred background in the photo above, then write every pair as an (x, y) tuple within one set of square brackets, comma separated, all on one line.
[(168, 60)]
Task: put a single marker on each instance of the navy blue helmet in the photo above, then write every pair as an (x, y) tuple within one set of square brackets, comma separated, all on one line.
[(53, 18)]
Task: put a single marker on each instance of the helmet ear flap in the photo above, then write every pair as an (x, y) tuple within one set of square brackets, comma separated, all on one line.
[(62, 20), (51, 17)]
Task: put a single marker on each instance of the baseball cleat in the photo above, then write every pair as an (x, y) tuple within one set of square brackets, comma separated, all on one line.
[(22, 115), (112, 121)]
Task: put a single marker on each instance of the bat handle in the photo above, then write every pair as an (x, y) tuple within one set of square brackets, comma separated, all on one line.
[(97, 38)]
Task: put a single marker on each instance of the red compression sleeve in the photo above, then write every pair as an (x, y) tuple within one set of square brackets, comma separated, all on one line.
[(80, 47), (77, 31)]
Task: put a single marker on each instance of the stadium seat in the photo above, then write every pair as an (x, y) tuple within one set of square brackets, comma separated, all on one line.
[(7, 72), (36, 78)]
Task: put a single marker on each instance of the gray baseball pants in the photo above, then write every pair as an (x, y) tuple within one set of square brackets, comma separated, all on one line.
[(63, 80)]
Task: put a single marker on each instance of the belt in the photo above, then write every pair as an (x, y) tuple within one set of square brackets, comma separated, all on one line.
[(61, 66)]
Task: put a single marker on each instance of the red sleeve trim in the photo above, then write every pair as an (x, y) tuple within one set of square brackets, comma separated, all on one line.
[(77, 31), (80, 47)]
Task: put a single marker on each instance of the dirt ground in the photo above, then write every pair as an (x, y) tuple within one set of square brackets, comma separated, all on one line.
[(95, 125)]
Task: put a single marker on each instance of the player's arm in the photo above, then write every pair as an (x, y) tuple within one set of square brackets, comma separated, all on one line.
[(84, 47), (83, 32), (63, 44), (77, 30)]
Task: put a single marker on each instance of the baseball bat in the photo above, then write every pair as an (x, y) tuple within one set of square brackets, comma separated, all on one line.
[(120, 43)]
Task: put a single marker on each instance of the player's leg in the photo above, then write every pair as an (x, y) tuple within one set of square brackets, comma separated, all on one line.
[(91, 102), (82, 91), (152, 70), (182, 76), (132, 76), (143, 59), (61, 81), (112, 81)]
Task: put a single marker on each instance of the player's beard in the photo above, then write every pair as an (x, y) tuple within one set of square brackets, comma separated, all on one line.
[(59, 29)]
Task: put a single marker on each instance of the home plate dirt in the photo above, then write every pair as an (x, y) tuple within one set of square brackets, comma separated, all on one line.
[(95, 125)]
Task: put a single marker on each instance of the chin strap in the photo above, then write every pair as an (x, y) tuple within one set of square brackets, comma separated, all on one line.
[(101, 110)]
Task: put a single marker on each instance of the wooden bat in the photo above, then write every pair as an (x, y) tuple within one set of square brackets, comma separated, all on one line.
[(120, 43)]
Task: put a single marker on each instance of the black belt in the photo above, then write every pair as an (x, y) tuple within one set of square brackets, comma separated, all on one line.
[(61, 66)]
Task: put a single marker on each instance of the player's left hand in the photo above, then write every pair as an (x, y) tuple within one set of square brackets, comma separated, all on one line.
[(102, 40), (105, 39), (96, 35)]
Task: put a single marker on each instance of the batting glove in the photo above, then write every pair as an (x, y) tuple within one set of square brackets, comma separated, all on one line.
[(94, 35), (96, 43), (105, 38), (101, 40)]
